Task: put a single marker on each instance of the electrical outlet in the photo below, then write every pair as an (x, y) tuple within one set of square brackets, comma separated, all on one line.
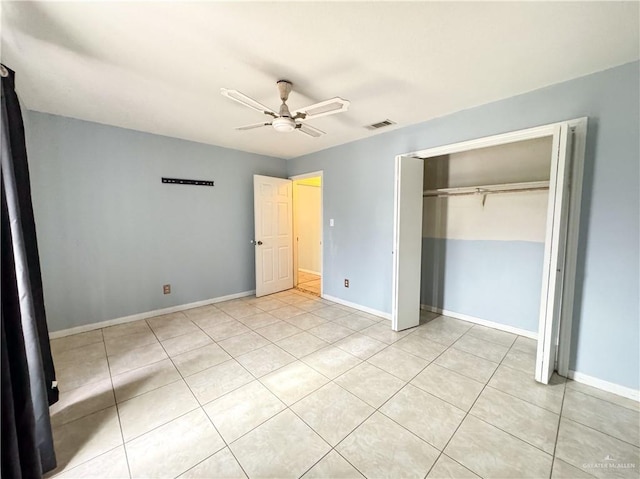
[(166, 289), (346, 283)]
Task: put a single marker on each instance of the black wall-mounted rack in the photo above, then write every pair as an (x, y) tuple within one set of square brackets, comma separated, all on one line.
[(182, 181)]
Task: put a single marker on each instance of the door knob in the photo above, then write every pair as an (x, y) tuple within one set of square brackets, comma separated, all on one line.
[(256, 243), (259, 243)]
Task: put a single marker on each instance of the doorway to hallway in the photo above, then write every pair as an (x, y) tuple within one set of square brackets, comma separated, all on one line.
[(308, 282), (307, 231)]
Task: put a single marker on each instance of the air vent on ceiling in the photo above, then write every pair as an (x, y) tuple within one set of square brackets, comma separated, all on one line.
[(380, 124)]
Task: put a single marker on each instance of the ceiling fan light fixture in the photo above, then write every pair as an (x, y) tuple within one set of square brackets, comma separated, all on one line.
[(284, 124)]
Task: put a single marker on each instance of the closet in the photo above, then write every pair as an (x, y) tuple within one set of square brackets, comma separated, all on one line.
[(483, 233), (487, 230)]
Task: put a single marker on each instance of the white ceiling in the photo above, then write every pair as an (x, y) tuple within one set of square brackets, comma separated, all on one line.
[(159, 66)]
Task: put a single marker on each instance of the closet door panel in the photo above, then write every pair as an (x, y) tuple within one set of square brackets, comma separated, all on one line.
[(554, 254), (407, 253)]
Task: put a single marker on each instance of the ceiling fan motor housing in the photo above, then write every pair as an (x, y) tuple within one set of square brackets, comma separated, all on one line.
[(284, 124)]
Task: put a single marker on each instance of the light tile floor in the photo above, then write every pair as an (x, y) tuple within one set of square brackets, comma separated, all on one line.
[(291, 385), (308, 282)]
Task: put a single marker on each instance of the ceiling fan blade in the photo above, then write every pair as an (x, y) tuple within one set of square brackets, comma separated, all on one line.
[(324, 108), (254, 125), (243, 99), (309, 130)]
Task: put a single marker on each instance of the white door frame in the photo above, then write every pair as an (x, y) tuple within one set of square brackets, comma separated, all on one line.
[(579, 128), (303, 176)]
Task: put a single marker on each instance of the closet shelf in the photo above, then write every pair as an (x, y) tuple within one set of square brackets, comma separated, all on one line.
[(489, 189)]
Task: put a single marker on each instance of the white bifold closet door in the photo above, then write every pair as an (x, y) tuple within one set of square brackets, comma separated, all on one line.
[(554, 252), (407, 253)]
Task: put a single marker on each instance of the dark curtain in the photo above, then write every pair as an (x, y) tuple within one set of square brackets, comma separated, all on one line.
[(28, 375)]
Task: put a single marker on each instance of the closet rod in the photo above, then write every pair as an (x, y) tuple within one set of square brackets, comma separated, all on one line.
[(481, 191), (487, 189)]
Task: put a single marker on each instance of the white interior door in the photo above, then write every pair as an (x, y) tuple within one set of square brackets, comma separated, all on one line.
[(554, 253), (407, 251), (273, 234)]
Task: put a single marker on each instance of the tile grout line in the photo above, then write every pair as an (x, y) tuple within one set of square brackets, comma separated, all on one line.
[(99, 410), (512, 435), (59, 351), (200, 406), (333, 448), (635, 409), (488, 340), (235, 389), (530, 403), (523, 400), (64, 471), (288, 407), (325, 455), (440, 452), (147, 365), (159, 360), (330, 381), (496, 388), (393, 395), (115, 400), (555, 443), (313, 352), (465, 417), (226, 446), (377, 410), (89, 384), (480, 339), (249, 372), (601, 432)]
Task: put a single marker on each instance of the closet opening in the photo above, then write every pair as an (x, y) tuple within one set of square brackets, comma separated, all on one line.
[(483, 232), (486, 232), (307, 233)]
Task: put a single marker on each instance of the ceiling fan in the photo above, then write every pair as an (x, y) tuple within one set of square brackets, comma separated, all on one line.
[(284, 121)]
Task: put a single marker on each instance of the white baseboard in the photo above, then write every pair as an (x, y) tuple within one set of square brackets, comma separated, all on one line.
[(623, 391), (149, 314), (309, 271), (482, 322), (359, 307)]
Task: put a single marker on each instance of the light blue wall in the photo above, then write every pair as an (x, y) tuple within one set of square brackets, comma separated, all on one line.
[(111, 234), (358, 193), (478, 278)]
